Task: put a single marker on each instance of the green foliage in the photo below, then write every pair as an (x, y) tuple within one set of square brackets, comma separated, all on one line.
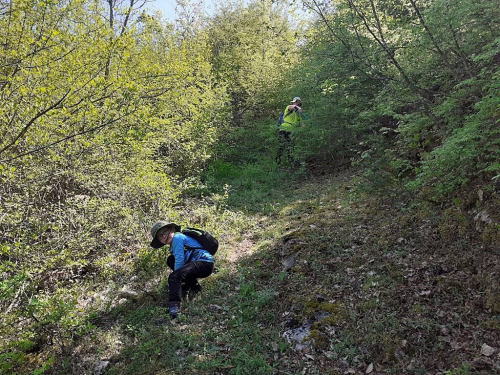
[(254, 187), (97, 122), (251, 47), (471, 151), (465, 369), (424, 97)]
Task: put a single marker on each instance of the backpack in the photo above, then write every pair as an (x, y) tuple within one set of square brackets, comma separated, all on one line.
[(206, 240), (281, 120)]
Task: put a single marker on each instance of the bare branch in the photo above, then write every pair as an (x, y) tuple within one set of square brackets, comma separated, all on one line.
[(344, 41), (127, 16)]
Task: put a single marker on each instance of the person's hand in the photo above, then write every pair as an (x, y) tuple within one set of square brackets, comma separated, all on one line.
[(298, 109)]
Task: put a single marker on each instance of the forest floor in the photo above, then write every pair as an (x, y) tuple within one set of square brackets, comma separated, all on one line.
[(327, 281)]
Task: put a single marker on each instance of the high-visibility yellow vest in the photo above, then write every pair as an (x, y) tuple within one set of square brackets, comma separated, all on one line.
[(291, 119)]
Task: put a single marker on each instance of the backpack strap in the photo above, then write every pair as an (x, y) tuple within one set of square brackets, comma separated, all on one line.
[(192, 248)]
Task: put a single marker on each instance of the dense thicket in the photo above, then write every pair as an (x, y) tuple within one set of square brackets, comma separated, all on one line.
[(100, 120), (408, 88), (252, 49)]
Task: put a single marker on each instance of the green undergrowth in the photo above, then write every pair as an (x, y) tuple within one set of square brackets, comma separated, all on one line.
[(211, 336), (255, 187), (378, 280)]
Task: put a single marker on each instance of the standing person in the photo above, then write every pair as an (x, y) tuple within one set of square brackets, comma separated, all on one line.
[(188, 260), (291, 119)]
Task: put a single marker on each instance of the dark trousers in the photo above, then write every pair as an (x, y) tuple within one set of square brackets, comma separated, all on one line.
[(188, 275), (285, 146)]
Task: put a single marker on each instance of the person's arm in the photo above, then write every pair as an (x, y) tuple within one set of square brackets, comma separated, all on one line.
[(177, 250), (293, 107)]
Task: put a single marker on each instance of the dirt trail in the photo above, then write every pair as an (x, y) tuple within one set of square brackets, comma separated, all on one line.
[(384, 286)]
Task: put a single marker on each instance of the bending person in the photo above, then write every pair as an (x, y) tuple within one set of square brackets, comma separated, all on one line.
[(188, 260)]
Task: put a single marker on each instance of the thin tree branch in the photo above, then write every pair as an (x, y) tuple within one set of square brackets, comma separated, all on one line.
[(431, 36), (32, 121), (390, 53), (317, 9), (68, 137), (127, 16)]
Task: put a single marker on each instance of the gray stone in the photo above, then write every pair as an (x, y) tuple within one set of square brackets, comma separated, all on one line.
[(487, 350), (299, 336), (100, 367), (290, 261), (128, 293)]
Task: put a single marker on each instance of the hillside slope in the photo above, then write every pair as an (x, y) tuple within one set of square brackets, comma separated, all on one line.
[(329, 282)]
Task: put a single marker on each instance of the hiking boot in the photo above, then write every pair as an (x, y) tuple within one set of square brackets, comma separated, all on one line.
[(174, 311)]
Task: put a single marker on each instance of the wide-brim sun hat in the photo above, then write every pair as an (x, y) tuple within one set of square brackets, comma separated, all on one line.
[(296, 99), (156, 227)]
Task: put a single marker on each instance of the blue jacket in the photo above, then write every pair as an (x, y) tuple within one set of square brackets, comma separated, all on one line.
[(179, 248)]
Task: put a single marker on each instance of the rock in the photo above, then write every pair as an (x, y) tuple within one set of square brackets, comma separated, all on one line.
[(290, 261), (128, 293), (298, 336), (487, 350), (481, 220), (122, 301), (100, 367), (425, 293)]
